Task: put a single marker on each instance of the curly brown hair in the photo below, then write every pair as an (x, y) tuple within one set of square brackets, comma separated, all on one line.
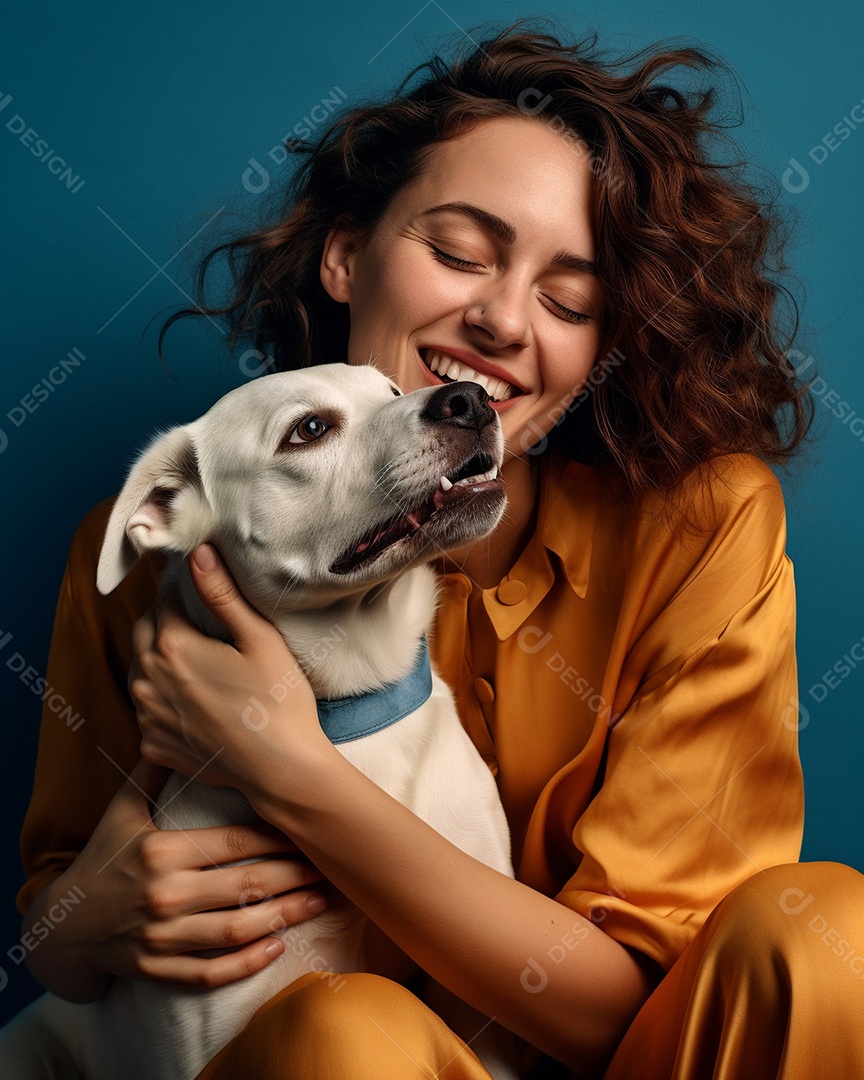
[(691, 364)]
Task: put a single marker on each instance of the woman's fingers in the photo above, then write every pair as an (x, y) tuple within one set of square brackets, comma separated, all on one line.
[(213, 846), (230, 843), (219, 591), (207, 973), (240, 886), (231, 929)]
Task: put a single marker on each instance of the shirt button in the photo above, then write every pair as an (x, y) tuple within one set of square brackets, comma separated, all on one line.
[(512, 592), (485, 691)]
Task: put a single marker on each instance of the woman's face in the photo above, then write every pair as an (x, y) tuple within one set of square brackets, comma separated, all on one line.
[(481, 269)]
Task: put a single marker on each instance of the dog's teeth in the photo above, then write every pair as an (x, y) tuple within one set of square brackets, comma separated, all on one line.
[(445, 484), (480, 478)]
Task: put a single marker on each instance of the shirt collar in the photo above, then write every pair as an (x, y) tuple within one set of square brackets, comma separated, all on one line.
[(568, 519), (567, 511)]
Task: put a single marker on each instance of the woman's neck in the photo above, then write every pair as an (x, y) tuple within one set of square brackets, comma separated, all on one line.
[(488, 560)]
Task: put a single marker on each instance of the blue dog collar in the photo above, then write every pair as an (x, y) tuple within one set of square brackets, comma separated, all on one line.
[(348, 718)]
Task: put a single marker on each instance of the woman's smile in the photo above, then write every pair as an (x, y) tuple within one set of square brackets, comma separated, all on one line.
[(444, 364)]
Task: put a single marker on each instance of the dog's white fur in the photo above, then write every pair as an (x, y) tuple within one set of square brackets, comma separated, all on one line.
[(282, 512)]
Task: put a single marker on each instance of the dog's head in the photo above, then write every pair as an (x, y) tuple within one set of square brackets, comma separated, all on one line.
[(314, 484)]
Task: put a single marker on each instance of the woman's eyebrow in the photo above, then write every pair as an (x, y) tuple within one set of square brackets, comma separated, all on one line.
[(505, 231)]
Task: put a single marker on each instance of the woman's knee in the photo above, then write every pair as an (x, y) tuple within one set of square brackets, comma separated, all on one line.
[(340, 1027), (794, 914)]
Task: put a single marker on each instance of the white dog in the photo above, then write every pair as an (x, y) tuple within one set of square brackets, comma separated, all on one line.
[(326, 491)]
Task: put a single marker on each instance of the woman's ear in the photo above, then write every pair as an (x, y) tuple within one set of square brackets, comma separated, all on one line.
[(337, 264)]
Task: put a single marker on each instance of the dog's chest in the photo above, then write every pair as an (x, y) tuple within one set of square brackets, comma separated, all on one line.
[(184, 804)]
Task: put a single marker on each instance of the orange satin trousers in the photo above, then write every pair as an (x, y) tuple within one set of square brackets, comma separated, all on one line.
[(772, 986)]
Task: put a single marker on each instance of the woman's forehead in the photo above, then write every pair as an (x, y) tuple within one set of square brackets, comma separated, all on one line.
[(518, 172)]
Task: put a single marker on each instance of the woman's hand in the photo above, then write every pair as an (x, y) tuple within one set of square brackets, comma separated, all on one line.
[(213, 711), (152, 898)]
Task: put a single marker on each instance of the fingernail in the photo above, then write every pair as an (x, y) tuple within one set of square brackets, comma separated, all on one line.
[(316, 903), (275, 949), (205, 558)]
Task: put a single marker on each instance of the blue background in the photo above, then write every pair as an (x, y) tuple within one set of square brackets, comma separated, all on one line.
[(158, 109)]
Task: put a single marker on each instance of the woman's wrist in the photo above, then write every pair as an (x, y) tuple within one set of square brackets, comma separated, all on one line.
[(292, 776)]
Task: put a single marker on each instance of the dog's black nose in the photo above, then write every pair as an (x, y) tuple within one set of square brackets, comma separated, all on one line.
[(463, 404)]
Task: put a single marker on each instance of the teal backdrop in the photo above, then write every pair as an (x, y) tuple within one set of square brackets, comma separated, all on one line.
[(126, 137)]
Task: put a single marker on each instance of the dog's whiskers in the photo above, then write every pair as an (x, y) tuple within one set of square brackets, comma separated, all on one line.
[(289, 578)]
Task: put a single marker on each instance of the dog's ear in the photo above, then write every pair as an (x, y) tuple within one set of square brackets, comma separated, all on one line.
[(162, 507)]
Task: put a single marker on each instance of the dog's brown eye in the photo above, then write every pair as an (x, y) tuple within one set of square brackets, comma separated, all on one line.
[(309, 429)]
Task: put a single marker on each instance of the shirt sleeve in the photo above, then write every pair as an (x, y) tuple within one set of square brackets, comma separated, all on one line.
[(80, 765), (702, 785)]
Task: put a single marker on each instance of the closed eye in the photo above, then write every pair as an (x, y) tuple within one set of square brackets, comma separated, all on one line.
[(576, 317), (452, 260)]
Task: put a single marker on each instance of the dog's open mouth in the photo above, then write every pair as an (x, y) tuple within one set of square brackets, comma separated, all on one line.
[(476, 475)]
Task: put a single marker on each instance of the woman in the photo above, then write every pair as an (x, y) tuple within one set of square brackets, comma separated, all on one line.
[(622, 650)]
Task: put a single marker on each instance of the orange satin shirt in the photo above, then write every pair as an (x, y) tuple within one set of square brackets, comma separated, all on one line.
[(632, 683)]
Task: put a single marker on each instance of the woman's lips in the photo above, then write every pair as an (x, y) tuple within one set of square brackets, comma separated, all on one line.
[(449, 368)]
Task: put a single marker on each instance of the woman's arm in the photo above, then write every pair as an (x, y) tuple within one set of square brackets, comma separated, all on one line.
[(473, 929), (137, 898), (142, 901)]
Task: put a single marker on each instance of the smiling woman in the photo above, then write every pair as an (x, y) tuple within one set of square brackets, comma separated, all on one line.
[(550, 225)]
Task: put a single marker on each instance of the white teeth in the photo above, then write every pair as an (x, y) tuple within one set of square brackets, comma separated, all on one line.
[(491, 475), (445, 484), (442, 364), (486, 383)]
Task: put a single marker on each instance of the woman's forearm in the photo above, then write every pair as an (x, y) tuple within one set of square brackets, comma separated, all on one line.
[(473, 929), (56, 964)]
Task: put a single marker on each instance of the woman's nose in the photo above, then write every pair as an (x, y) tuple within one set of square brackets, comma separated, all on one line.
[(501, 310)]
